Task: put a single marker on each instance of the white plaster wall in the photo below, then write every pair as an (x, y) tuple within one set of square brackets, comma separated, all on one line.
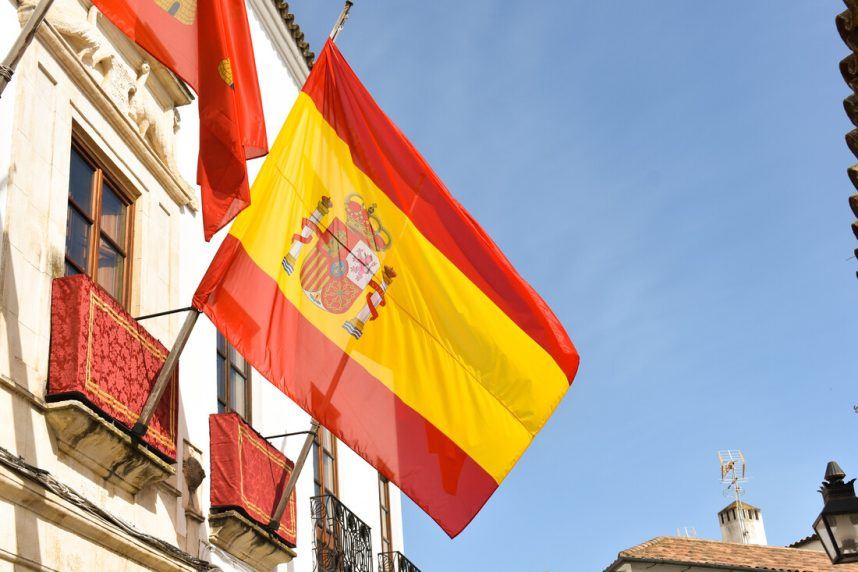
[(731, 530)]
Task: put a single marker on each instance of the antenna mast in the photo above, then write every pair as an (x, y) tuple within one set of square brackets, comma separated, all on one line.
[(733, 474)]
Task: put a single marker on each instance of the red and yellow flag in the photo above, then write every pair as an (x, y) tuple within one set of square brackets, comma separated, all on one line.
[(209, 47), (358, 286)]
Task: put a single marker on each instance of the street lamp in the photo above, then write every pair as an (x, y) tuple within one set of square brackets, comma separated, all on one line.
[(837, 524)]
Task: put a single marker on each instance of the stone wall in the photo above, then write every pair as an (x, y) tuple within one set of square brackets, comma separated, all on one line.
[(60, 89)]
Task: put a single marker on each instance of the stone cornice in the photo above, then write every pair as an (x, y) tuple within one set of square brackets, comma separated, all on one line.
[(62, 511)]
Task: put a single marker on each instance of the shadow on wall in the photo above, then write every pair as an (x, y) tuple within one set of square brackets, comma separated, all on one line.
[(25, 522)]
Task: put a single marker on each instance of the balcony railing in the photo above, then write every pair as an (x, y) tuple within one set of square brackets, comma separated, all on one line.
[(341, 542), (395, 562)]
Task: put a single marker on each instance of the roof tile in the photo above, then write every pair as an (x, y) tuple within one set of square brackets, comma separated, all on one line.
[(295, 30), (694, 551)]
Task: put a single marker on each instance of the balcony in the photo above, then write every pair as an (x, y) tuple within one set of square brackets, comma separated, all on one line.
[(342, 542), (102, 366), (395, 562), (247, 477)]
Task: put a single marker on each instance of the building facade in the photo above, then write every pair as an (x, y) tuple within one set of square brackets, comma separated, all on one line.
[(100, 226)]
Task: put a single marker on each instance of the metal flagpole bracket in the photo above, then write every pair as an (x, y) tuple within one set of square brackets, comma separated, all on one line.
[(164, 313), (25, 38), (341, 21), (142, 425), (274, 523), (282, 435)]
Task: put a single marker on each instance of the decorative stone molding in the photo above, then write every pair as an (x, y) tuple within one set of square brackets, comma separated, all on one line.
[(56, 504), (106, 450), (247, 541), (95, 57), (194, 474)]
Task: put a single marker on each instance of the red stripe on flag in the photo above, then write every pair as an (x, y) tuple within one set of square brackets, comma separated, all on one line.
[(383, 153), (247, 306)]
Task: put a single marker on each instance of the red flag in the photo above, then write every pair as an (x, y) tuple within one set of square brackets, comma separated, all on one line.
[(207, 44)]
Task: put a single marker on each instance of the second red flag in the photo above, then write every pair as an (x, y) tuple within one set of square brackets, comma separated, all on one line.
[(207, 44)]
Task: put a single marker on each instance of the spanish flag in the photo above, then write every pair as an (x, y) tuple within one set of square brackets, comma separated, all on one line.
[(359, 287), (209, 47)]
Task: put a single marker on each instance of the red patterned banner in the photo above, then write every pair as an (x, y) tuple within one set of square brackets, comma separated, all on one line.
[(248, 473), (101, 354)]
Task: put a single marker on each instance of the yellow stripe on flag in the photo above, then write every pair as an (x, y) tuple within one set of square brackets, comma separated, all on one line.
[(440, 344)]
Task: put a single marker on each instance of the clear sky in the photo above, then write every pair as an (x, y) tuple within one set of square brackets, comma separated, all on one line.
[(670, 176)]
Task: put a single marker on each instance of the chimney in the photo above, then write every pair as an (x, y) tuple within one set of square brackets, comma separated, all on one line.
[(742, 523)]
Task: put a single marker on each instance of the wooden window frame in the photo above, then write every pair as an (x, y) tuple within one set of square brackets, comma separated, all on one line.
[(100, 175), (324, 532), (319, 476), (248, 401), (384, 513)]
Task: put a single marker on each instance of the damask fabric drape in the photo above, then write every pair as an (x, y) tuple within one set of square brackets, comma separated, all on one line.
[(365, 292), (207, 44), (102, 354), (249, 474)]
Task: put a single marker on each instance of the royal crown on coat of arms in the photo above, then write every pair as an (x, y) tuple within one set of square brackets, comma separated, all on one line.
[(343, 263)]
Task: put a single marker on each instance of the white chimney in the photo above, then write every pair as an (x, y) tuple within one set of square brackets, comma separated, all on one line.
[(742, 523)]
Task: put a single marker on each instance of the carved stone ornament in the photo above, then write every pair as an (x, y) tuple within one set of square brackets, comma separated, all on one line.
[(123, 84), (194, 475), (80, 32)]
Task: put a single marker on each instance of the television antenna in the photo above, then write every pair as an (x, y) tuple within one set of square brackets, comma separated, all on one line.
[(733, 474), (686, 532)]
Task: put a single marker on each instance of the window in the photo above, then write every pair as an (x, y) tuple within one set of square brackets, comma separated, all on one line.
[(325, 463), (384, 507), (325, 480), (98, 230), (233, 380)]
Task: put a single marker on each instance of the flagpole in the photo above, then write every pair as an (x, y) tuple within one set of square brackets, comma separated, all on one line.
[(341, 21), (142, 424), (25, 38), (274, 523)]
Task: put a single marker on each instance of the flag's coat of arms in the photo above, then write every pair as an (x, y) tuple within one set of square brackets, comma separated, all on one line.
[(185, 11), (224, 69), (459, 363), (343, 260)]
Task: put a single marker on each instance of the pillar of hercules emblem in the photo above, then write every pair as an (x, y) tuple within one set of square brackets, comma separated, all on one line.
[(309, 227)]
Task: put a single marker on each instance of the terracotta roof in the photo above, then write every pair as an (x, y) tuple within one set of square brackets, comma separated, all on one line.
[(295, 30), (847, 26), (802, 541), (713, 554)]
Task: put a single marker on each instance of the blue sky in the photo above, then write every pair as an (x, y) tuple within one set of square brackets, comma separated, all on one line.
[(670, 176)]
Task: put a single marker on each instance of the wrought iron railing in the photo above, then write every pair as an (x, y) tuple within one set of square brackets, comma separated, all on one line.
[(341, 541), (395, 562)]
